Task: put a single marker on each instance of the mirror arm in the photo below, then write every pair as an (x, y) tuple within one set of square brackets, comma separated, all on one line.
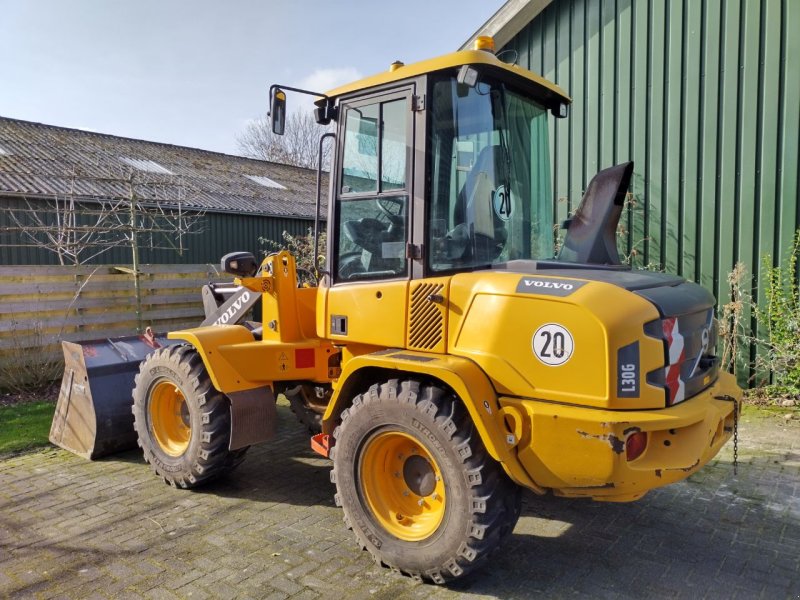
[(276, 86)]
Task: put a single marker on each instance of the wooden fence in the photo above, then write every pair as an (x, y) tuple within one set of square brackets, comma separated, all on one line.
[(42, 305)]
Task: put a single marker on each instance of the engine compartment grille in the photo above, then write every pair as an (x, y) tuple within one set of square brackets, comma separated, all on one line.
[(426, 321)]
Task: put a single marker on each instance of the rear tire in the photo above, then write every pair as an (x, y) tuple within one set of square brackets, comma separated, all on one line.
[(416, 484), (183, 423), (301, 399)]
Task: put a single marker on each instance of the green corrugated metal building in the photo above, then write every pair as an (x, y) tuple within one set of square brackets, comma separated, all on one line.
[(703, 96)]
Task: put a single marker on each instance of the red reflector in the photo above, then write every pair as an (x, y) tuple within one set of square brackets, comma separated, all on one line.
[(304, 358), (321, 444), (635, 445)]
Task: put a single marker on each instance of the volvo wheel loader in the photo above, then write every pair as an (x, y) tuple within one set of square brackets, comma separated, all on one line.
[(447, 358)]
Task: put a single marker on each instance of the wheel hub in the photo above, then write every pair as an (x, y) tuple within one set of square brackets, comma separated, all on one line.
[(402, 485), (419, 475), (170, 420)]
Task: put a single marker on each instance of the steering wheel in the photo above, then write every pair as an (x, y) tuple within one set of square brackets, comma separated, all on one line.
[(350, 264), (393, 209)]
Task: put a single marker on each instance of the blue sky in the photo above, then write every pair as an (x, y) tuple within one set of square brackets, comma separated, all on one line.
[(193, 72)]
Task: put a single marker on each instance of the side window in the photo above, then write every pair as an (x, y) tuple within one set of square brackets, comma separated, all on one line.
[(372, 211), (360, 165)]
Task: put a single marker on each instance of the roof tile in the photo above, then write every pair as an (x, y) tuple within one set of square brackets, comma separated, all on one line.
[(48, 160)]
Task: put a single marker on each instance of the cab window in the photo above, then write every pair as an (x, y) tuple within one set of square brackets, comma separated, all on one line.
[(372, 211), (490, 192)]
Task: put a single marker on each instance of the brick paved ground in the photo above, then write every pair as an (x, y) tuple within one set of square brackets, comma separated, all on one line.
[(74, 529)]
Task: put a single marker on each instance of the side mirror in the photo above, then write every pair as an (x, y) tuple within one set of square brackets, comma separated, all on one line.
[(241, 264), (277, 111)]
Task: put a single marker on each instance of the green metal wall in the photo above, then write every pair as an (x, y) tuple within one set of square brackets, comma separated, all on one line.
[(221, 233), (704, 97)]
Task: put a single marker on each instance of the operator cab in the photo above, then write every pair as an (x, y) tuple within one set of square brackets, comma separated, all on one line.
[(442, 167)]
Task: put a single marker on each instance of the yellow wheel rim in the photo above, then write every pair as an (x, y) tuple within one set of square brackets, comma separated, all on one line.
[(402, 486), (169, 418)]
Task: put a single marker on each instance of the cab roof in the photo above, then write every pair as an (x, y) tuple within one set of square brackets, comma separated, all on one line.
[(539, 87)]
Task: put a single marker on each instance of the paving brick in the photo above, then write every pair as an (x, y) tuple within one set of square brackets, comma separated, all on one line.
[(76, 529)]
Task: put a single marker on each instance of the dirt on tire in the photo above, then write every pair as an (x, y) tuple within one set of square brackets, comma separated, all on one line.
[(206, 456), (482, 503)]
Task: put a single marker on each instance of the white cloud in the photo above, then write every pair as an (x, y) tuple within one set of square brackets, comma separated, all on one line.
[(322, 80)]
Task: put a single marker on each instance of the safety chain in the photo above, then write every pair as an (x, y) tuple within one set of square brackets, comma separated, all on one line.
[(735, 437), (728, 398)]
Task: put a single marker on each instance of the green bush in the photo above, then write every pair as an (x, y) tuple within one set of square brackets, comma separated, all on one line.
[(779, 319), (301, 247)]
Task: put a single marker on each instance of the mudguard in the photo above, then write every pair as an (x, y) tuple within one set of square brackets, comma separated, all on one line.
[(464, 377)]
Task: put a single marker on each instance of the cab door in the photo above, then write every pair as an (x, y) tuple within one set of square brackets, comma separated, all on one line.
[(369, 225)]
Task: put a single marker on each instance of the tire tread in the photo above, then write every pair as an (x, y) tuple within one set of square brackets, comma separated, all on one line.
[(211, 459), (495, 500)]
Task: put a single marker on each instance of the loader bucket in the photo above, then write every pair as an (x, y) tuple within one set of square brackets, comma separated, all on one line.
[(94, 416)]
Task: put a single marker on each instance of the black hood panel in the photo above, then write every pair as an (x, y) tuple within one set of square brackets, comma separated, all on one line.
[(683, 299), (671, 295)]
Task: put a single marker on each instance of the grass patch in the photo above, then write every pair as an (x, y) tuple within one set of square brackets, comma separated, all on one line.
[(25, 425), (766, 411)]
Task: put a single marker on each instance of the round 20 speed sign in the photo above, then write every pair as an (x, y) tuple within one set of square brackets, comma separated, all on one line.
[(553, 344)]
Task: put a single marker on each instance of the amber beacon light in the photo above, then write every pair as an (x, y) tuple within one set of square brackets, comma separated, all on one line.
[(484, 42)]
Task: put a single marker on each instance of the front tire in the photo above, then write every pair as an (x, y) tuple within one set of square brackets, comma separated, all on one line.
[(183, 423), (416, 484)]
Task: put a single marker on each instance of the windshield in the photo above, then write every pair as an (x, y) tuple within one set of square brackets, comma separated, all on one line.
[(491, 198)]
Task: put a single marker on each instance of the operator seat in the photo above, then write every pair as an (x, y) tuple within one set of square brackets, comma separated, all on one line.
[(475, 208), (371, 234), (367, 233), (592, 232)]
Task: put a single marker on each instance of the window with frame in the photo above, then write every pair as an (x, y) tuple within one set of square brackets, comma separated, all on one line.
[(372, 211), (490, 190)]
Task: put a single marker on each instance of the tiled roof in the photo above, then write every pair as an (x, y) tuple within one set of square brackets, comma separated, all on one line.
[(42, 160)]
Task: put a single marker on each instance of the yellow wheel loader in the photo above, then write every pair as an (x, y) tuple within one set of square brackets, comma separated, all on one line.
[(447, 359)]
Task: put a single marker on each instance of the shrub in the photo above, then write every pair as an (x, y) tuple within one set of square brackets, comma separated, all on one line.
[(733, 333), (779, 318), (30, 365), (300, 246)]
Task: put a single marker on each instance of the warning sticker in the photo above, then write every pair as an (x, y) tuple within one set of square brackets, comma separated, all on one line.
[(553, 344)]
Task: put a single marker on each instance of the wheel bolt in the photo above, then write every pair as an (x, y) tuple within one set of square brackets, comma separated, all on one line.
[(421, 502), (406, 493), (434, 496), (397, 474)]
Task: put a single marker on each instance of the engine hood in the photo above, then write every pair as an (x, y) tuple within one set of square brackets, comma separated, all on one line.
[(573, 334), (657, 288)]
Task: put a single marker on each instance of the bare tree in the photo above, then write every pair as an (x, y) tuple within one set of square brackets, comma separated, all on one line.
[(138, 209), (141, 210), (299, 146)]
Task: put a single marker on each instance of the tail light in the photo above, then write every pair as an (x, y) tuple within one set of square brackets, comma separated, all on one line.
[(635, 445)]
